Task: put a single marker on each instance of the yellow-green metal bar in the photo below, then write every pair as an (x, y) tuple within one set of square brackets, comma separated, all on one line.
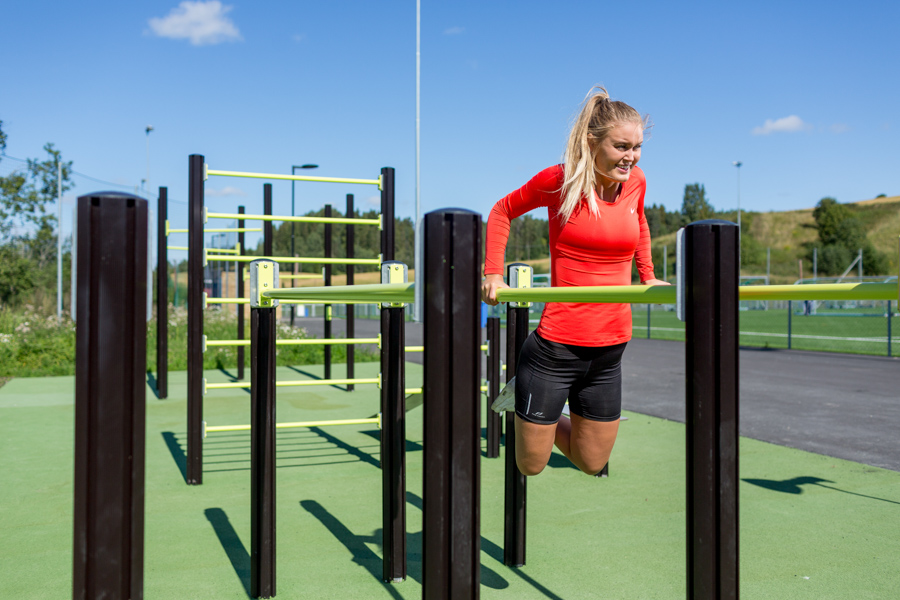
[(301, 259), (247, 301), (409, 391), (231, 385), (309, 342), (225, 251), (636, 294), (220, 173), (374, 420), (372, 292), (177, 248), (415, 348), (299, 276), (820, 291), (289, 219)]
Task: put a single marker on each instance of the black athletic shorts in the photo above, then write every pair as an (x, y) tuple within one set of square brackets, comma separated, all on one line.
[(548, 373)]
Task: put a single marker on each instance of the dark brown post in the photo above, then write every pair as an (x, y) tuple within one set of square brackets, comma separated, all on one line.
[(240, 294), (267, 225), (387, 213), (263, 276), (393, 428), (162, 297), (493, 376), (327, 332), (452, 431), (110, 397), (351, 312), (514, 521), (195, 322), (711, 335)]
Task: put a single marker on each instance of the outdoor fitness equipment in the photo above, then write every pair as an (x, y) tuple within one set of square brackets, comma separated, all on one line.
[(110, 396), (197, 213)]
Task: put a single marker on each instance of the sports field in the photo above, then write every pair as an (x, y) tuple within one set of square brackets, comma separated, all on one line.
[(811, 526), (856, 331)]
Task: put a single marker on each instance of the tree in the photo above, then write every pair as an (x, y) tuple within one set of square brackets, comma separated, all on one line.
[(841, 236), (695, 206)]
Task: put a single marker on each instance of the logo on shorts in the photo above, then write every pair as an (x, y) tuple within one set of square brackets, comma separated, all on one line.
[(538, 414)]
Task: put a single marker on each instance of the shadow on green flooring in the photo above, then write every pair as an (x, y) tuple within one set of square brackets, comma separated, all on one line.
[(231, 543), (792, 486)]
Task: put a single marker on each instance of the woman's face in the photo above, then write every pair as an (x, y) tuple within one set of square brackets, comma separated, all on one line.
[(618, 153)]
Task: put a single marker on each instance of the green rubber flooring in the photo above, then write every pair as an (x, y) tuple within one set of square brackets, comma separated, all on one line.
[(811, 526)]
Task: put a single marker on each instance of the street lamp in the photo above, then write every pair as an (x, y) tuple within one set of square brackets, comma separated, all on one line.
[(147, 130), (294, 266)]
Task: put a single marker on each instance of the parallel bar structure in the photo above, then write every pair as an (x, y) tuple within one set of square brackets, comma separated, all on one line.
[(493, 419), (393, 437), (293, 425), (234, 385), (110, 396), (350, 327), (452, 431), (303, 342), (195, 322), (299, 259), (515, 487), (711, 396), (162, 297)]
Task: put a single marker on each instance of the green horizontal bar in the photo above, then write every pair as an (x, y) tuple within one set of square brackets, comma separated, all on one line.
[(216, 172), (176, 231), (288, 219), (301, 259), (224, 250), (821, 291), (338, 294), (635, 294), (302, 382), (375, 420), (230, 230), (177, 248), (415, 349), (311, 342)]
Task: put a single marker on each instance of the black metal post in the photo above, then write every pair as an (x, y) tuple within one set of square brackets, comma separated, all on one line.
[(514, 516), (493, 420), (350, 308), (162, 297), (110, 397), (387, 213), (267, 225), (393, 436), (327, 324), (240, 294), (711, 335), (452, 431), (195, 321), (262, 452)]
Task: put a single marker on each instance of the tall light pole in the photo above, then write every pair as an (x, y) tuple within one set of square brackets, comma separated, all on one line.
[(294, 265), (59, 239), (147, 130)]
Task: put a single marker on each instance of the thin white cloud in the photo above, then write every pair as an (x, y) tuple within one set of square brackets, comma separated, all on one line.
[(453, 30), (203, 23), (839, 128), (789, 124), (225, 191)]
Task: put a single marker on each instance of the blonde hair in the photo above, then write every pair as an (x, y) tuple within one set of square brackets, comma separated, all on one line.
[(597, 117)]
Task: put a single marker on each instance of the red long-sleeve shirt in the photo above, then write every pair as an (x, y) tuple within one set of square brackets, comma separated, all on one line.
[(585, 251)]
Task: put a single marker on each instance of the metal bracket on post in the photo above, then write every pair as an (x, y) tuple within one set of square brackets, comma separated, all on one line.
[(394, 271), (520, 277), (263, 278)]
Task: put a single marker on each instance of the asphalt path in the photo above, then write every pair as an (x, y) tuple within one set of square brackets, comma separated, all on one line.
[(841, 405)]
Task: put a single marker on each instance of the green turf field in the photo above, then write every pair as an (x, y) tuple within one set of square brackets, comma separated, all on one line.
[(812, 527), (860, 331)]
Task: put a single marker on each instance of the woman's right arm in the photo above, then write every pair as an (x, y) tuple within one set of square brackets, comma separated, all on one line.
[(534, 194)]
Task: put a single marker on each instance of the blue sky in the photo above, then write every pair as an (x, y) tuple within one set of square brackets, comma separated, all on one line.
[(803, 94)]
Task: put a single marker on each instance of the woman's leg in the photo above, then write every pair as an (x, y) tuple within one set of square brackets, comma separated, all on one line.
[(534, 443), (586, 443)]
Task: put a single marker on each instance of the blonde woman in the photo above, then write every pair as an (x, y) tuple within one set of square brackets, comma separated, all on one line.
[(595, 204)]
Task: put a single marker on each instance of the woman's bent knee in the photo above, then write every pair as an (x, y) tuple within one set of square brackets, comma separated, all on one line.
[(530, 467)]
